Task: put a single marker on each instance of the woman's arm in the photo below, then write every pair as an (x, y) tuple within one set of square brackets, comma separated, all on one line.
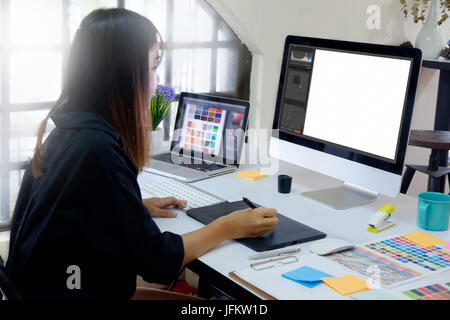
[(246, 223)]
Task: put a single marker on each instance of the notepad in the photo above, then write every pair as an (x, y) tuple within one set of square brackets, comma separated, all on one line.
[(347, 284), (306, 276), (423, 239), (250, 175)]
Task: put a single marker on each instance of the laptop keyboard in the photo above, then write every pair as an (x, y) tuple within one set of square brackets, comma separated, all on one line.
[(204, 166)]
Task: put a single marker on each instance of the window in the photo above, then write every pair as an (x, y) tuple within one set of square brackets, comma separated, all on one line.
[(201, 55), (34, 39)]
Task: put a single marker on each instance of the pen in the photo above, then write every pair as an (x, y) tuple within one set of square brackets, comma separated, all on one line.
[(249, 203), (273, 254)]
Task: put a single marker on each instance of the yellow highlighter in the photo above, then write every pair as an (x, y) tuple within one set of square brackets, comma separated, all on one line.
[(380, 220)]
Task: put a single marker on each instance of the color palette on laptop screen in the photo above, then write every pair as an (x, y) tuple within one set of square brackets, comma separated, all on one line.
[(432, 258), (203, 127), (205, 113), (432, 292)]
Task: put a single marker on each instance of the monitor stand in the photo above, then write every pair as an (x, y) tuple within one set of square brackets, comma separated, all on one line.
[(343, 197)]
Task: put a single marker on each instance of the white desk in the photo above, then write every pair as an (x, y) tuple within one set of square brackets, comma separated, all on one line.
[(347, 224)]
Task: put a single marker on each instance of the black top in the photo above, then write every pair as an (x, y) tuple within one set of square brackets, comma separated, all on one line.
[(86, 210)]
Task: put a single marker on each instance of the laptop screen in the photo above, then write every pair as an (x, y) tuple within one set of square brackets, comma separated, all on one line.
[(210, 127)]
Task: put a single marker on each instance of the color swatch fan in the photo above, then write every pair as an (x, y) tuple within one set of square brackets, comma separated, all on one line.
[(431, 292), (398, 259)]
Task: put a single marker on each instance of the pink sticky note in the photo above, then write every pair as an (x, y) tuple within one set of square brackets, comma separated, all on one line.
[(447, 246)]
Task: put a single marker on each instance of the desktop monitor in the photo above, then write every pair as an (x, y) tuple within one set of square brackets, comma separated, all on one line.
[(344, 109)]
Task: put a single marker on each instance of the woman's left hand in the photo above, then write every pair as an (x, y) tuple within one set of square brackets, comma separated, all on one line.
[(158, 206)]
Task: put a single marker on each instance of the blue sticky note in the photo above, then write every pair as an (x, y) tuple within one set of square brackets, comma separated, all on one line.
[(306, 276)]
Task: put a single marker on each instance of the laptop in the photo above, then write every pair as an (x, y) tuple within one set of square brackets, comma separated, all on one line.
[(286, 233), (207, 139)]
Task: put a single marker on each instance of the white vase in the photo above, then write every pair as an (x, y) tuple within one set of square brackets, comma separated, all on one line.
[(430, 39), (157, 141)]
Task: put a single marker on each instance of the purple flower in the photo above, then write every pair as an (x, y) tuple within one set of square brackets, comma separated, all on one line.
[(166, 91)]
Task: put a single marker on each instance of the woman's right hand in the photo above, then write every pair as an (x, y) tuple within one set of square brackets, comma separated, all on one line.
[(250, 223)]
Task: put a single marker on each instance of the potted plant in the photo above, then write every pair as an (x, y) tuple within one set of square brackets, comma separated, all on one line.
[(159, 107), (429, 39)]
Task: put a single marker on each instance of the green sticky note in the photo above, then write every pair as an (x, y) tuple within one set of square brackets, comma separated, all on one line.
[(410, 294)]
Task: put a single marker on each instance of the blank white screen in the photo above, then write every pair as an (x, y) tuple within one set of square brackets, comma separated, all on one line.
[(357, 101)]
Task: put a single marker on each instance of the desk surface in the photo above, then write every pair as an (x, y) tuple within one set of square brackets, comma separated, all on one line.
[(345, 224)]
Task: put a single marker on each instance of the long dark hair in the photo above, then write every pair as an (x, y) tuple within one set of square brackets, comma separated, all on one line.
[(107, 72)]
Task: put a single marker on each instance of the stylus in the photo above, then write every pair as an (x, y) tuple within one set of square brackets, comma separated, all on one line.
[(249, 203), (274, 254)]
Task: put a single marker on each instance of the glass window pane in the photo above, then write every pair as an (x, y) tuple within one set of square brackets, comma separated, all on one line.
[(15, 180), (191, 21), (225, 34), (226, 70), (0, 27), (162, 70), (3, 215), (155, 10), (1, 93), (24, 126), (78, 9), (191, 70), (35, 76), (36, 21)]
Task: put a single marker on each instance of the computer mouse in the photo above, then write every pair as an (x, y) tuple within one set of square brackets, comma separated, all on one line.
[(328, 246)]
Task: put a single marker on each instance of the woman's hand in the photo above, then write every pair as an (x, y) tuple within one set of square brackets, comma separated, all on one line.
[(238, 224), (158, 206), (250, 223)]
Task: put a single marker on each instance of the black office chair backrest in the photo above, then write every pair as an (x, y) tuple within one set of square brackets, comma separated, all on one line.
[(7, 288)]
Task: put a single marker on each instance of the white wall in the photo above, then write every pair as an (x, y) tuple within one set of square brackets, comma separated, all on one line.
[(264, 24)]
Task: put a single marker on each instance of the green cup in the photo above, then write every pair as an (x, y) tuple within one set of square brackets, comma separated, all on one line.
[(433, 211)]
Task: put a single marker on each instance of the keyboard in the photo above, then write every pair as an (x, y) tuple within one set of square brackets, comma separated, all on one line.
[(195, 197), (204, 166)]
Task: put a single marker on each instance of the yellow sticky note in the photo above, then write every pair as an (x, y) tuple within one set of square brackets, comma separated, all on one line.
[(251, 175), (347, 284), (423, 239)]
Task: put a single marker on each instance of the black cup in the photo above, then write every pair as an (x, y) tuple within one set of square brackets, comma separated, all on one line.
[(284, 183)]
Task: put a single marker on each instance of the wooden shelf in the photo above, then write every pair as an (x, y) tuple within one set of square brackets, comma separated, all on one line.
[(436, 64)]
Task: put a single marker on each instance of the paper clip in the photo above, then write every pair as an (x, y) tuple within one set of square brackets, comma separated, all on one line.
[(276, 262)]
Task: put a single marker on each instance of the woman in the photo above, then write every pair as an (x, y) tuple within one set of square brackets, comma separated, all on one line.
[(80, 229)]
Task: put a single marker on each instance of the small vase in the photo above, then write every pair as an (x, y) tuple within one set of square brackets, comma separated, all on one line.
[(157, 141), (430, 39)]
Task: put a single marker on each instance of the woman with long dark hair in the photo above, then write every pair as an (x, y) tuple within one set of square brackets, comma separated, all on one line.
[(80, 228)]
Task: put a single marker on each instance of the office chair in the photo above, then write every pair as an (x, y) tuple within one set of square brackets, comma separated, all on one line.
[(7, 289), (158, 294)]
